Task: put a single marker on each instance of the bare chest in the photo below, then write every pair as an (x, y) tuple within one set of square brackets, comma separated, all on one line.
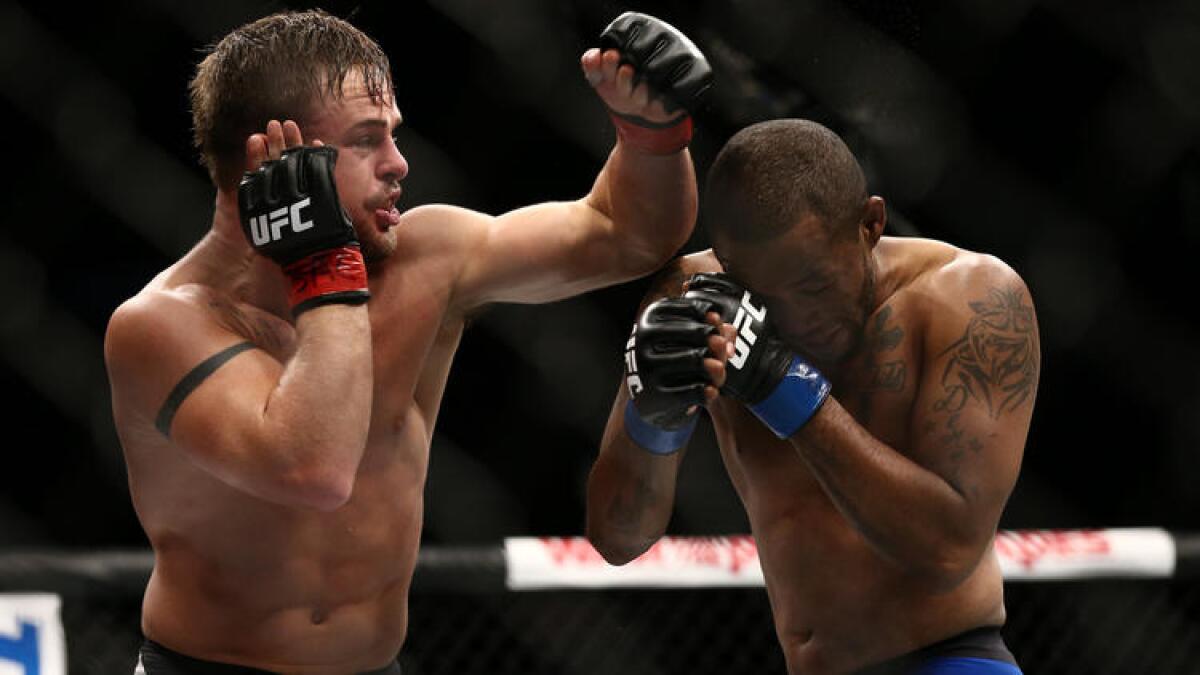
[(413, 344)]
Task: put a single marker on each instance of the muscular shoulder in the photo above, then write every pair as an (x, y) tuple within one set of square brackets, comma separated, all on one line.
[(157, 334), (444, 228), (960, 275), (149, 316), (961, 288), (441, 222)]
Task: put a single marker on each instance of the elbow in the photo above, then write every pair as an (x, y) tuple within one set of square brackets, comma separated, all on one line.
[(614, 553), (615, 548), (949, 567), (318, 489), (647, 252), (645, 246), (945, 576), (649, 259), (322, 475)]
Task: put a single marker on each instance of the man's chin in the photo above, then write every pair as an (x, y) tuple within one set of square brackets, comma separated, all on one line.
[(375, 251), (377, 246)]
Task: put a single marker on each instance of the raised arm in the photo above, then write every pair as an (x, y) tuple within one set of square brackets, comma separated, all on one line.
[(642, 206), (934, 506), (935, 509), (189, 367), (674, 363)]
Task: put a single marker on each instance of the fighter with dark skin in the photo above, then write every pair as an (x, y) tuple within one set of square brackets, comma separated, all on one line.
[(875, 396)]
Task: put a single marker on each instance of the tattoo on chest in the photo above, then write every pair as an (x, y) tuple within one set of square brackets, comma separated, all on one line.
[(995, 362), (257, 330), (882, 373), (885, 375)]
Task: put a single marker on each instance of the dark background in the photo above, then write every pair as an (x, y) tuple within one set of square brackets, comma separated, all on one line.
[(1060, 136)]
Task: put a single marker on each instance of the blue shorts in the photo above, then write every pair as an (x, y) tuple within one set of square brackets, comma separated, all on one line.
[(980, 651), (966, 665)]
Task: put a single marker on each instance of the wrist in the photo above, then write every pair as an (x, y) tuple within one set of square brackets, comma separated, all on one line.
[(665, 138), (655, 439), (336, 275), (793, 402)]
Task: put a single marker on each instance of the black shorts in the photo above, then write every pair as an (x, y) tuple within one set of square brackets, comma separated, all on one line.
[(982, 649), (155, 659)]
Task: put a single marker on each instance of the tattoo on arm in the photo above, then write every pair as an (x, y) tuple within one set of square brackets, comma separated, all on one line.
[(189, 382), (255, 330), (994, 363)]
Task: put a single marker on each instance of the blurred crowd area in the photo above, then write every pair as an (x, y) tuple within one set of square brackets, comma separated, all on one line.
[(1060, 136)]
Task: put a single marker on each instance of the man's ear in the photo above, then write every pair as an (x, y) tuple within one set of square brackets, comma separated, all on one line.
[(874, 219)]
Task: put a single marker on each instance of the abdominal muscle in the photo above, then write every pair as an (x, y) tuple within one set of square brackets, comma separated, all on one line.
[(838, 604), (239, 580)]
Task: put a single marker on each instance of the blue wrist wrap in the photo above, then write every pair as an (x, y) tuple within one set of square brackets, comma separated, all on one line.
[(795, 399), (655, 439)]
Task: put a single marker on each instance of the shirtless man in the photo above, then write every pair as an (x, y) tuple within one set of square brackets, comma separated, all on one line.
[(875, 396), (276, 395)]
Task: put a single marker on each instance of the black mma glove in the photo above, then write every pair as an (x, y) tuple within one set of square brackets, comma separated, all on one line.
[(777, 385), (290, 213), (664, 372), (674, 70)]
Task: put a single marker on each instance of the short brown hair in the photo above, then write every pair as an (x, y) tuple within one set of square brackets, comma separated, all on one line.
[(770, 174), (277, 67)]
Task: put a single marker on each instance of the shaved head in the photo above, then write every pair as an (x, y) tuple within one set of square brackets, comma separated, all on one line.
[(772, 174)]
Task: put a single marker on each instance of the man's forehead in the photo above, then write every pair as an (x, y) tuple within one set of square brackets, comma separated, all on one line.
[(356, 105), (354, 86), (777, 261)]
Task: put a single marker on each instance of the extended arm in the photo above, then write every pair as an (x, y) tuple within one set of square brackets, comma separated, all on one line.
[(642, 205)]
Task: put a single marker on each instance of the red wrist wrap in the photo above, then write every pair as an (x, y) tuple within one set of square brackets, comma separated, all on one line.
[(335, 275), (656, 139)]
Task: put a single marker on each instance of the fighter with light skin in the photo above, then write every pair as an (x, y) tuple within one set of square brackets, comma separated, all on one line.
[(276, 389), (875, 394)]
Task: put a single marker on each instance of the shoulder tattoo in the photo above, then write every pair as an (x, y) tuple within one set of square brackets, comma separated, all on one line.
[(995, 362)]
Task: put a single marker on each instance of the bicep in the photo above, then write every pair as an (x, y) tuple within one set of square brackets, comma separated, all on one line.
[(223, 416), (975, 403), (538, 253), (199, 385)]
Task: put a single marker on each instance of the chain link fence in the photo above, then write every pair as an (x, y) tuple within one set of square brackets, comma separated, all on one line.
[(1072, 627)]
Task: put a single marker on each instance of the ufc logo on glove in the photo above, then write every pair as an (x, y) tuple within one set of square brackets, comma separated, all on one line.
[(631, 379), (269, 226), (743, 322)]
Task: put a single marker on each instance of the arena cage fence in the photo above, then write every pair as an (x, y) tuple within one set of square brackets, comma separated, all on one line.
[(1080, 602)]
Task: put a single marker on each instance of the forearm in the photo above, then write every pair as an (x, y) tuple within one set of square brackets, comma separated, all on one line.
[(315, 421), (910, 515), (649, 76), (630, 493), (652, 203)]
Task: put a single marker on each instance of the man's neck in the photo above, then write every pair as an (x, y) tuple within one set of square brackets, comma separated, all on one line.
[(225, 260)]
